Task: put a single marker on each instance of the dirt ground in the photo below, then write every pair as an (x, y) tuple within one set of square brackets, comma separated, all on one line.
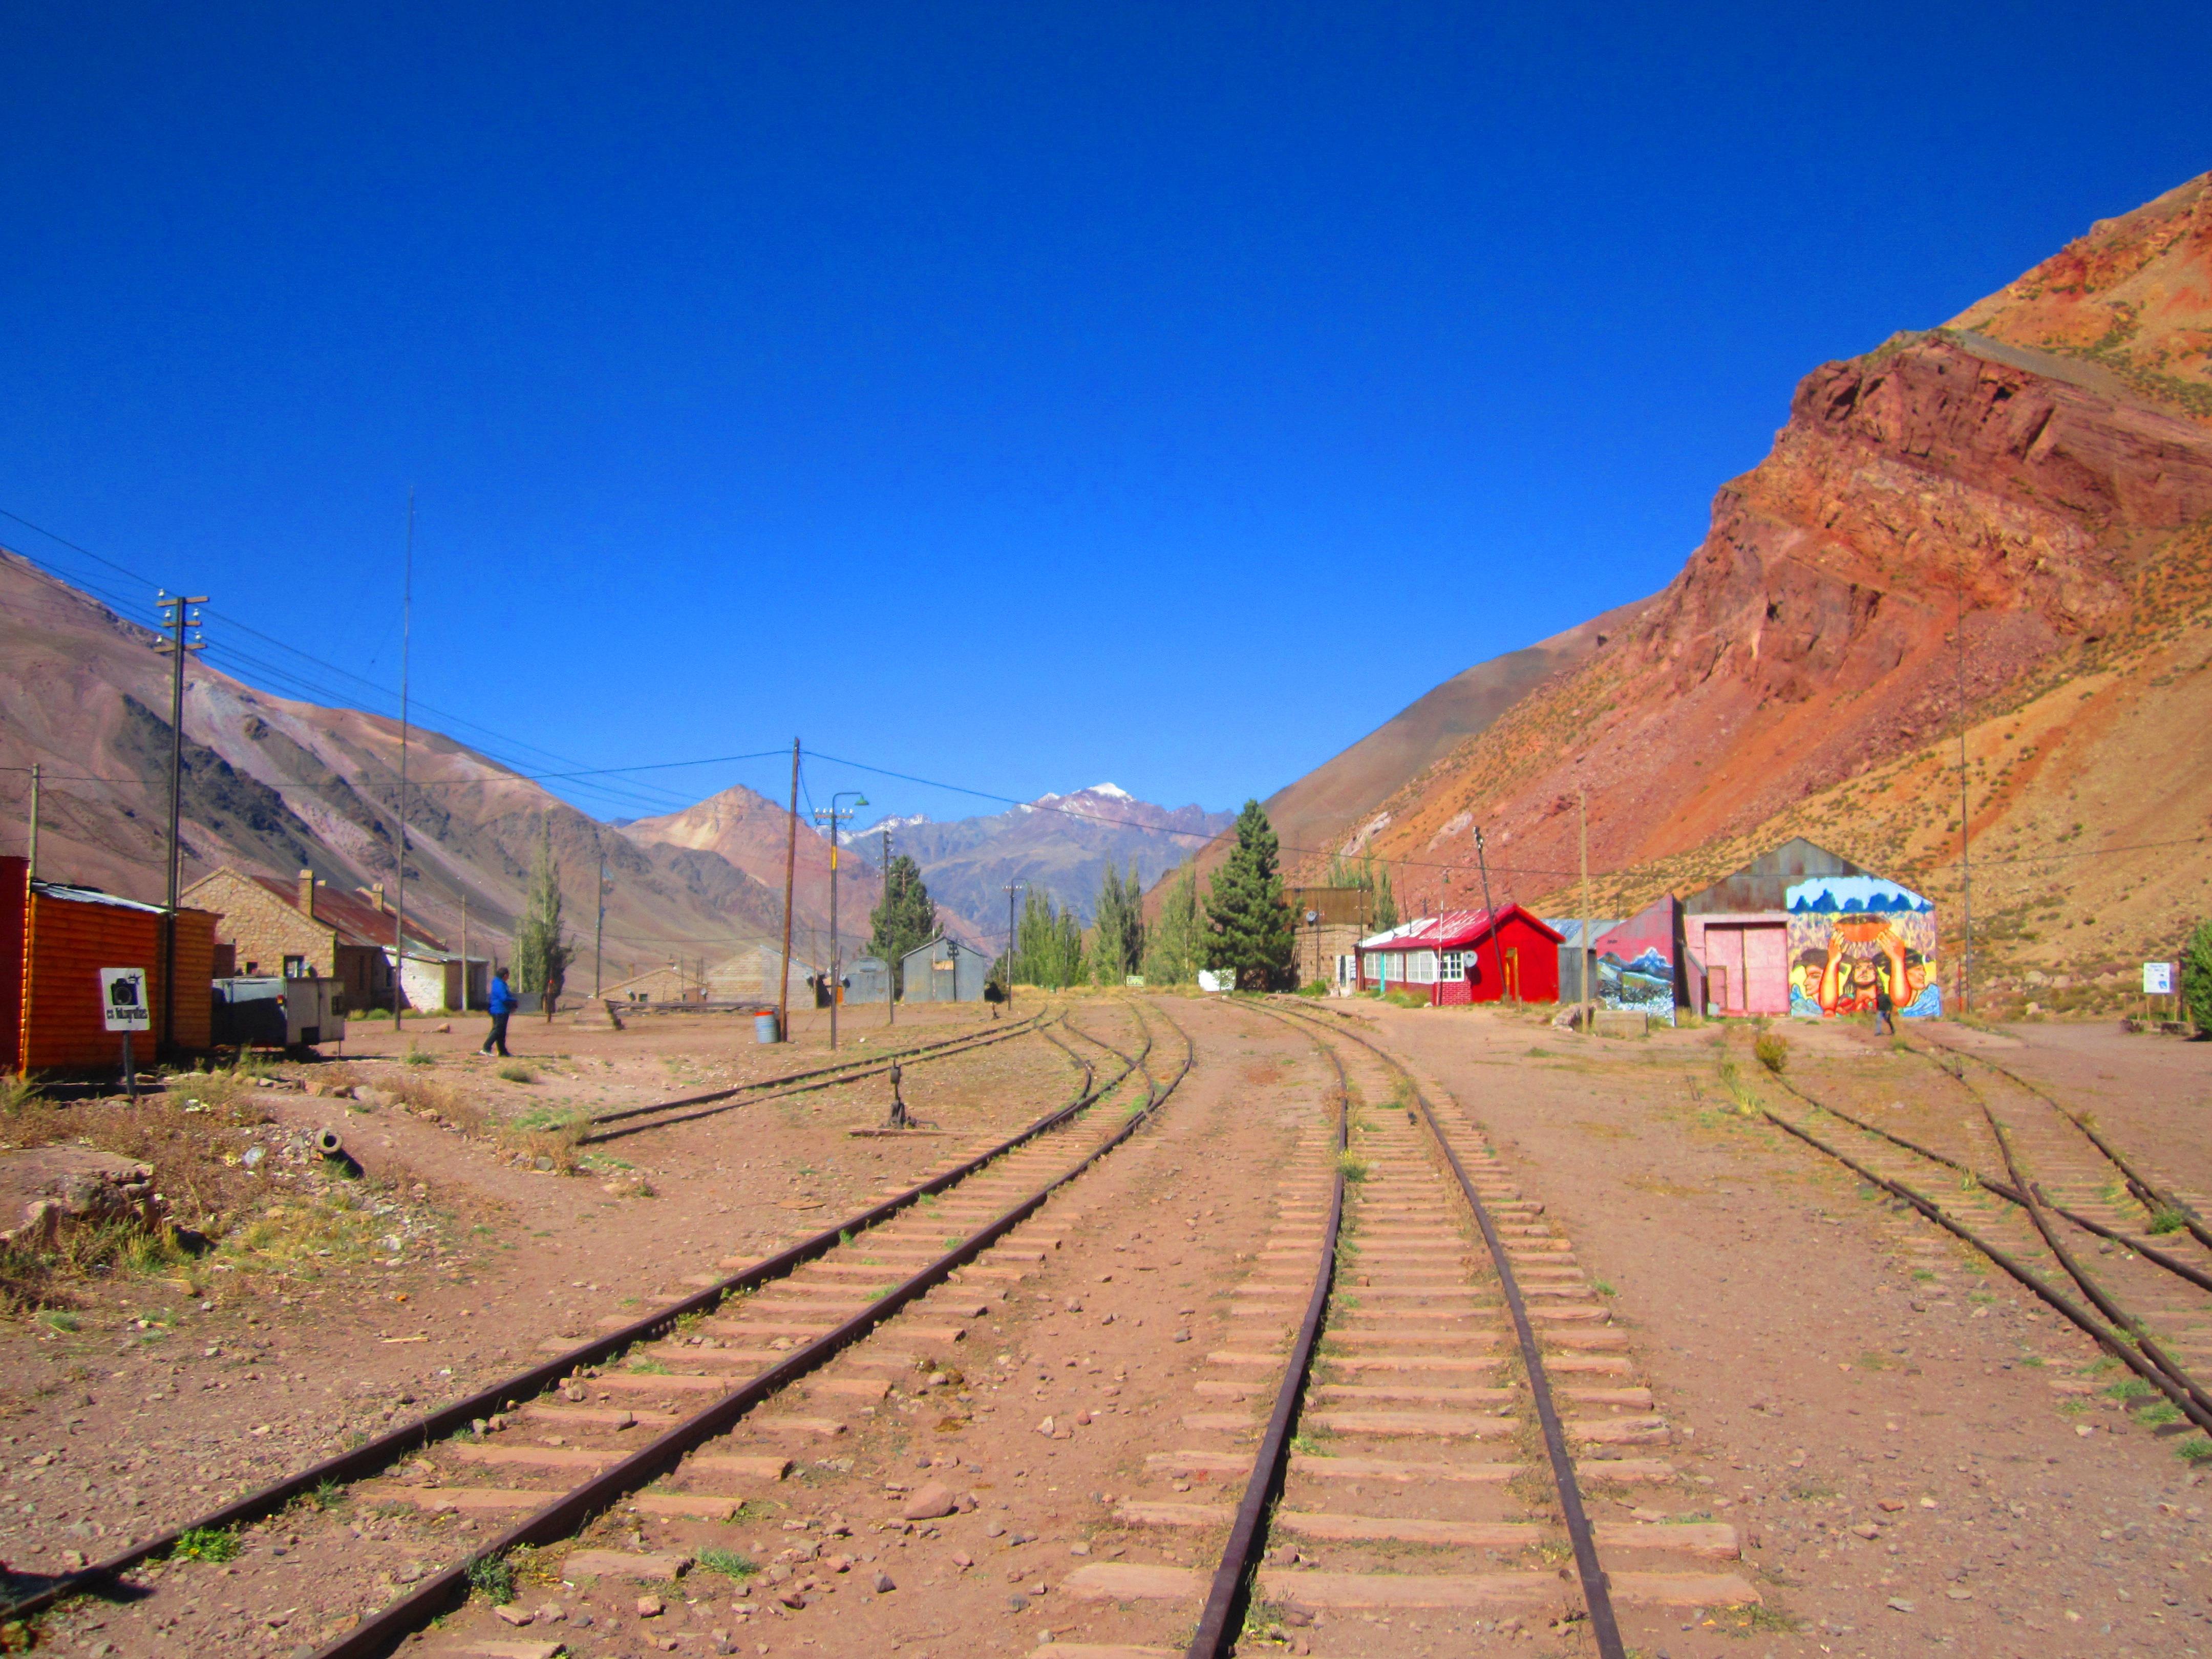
[(149, 1396), (1831, 1368), (1831, 1363)]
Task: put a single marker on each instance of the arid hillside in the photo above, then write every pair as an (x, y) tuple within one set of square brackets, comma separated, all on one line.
[(2013, 519), (276, 786)]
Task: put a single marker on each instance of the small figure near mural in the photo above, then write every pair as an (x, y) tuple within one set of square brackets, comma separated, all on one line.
[(1885, 1011)]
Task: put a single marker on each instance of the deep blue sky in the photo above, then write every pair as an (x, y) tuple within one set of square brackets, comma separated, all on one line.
[(1021, 396)]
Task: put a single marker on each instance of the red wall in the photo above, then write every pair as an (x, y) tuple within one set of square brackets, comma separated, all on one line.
[(15, 884), (58, 1010), (1530, 952)]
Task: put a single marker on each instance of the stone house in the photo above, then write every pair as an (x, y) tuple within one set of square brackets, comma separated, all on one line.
[(306, 928)]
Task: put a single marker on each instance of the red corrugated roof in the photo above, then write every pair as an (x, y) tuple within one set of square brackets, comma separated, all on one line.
[(356, 921), (1454, 930)]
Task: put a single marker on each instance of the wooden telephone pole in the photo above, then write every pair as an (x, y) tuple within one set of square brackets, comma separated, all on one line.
[(178, 617)]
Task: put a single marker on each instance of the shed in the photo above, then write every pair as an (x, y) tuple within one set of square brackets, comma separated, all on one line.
[(1574, 951), (868, 980), (1735, 934), (54, 940), (944, 970), (1466, 955), (749, 976), (1639, 961)]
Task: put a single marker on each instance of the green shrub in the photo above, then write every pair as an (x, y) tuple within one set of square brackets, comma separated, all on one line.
[(1773, 1051), (204, 1544), (515, 1071), (493, 1579), (2196, 976)]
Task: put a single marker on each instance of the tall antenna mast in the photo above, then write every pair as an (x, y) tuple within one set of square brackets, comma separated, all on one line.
[(406, 637)]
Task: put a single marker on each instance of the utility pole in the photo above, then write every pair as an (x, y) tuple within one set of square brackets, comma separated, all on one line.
[(790, 869), (34, 821), (1489, 915), (890, 969), (406, 638), (1965, 827), (1012, 888), (1588, 956), (833, 816), (464, 950), (599, 926), (176, 619)]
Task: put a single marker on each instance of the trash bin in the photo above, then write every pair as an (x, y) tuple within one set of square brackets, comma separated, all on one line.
[(764, 1028)]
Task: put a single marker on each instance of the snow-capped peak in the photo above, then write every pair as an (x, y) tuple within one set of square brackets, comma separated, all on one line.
[(1111, 791)]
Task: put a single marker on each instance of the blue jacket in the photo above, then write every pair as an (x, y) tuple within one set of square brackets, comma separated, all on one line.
[(503, 1000)]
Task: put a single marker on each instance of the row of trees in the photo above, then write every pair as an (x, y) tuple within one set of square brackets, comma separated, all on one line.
[(1240, 925)]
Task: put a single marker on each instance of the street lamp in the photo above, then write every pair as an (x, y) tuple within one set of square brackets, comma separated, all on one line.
[(833, 816)]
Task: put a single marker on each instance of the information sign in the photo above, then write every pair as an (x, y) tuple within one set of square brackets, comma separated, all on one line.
[(122, 1002)]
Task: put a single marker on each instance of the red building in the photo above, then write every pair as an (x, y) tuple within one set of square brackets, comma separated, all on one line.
[(1466, 955), (54, 940)]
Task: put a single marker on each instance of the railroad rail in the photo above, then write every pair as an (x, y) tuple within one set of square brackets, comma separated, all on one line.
[(688, 1109), (1397, 1319), (510, 1393), (2014, 1215)]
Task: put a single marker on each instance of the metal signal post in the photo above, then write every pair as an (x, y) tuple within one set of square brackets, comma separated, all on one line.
[(833, 816), (1012, 888)]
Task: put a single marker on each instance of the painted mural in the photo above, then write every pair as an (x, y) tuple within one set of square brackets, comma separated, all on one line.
[(1635, 962), (1850, 934)]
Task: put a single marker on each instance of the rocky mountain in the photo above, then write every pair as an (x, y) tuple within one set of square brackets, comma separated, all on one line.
[(276, 786), (1061, 844), (2005, 524)]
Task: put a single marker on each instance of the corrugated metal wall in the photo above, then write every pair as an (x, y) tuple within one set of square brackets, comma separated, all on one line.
[(69, 942)]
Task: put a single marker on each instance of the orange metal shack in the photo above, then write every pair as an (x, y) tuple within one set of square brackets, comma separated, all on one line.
[(54, 940)]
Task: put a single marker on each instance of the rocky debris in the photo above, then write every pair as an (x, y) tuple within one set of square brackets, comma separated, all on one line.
[(51, 1188), (929, 1503)]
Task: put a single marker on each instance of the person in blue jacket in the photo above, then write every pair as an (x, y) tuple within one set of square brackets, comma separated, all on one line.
[(501, 1002)]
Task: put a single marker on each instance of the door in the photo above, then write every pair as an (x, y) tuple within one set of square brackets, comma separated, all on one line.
[(1766, 968), (1724, 969)]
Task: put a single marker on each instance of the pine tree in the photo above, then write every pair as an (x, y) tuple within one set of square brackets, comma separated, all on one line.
[(1117, 942), (1171, 944), (542, 954), (1386, 903), (903, 918), (1250, 930)]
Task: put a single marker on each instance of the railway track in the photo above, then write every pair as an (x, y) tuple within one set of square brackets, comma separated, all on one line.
[(630, 1121), (1423, 1386), (743, 1340), (2041, 1192)]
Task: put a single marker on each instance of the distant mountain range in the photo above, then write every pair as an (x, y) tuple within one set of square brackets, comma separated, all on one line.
[(274, 785), (1058, 844)]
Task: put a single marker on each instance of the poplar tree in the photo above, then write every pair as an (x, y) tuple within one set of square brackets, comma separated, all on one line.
[(1117, 942), (1048, 944), (1171, 944), (542, 953), (1249, 928), (904, 918)]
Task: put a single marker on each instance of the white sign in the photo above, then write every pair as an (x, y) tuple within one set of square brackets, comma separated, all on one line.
[(1210, 980), (123, 999), (2158, 979)]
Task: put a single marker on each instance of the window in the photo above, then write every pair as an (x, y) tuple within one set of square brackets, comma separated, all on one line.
[(1420, 967), (296, 968), (1455, 965)]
